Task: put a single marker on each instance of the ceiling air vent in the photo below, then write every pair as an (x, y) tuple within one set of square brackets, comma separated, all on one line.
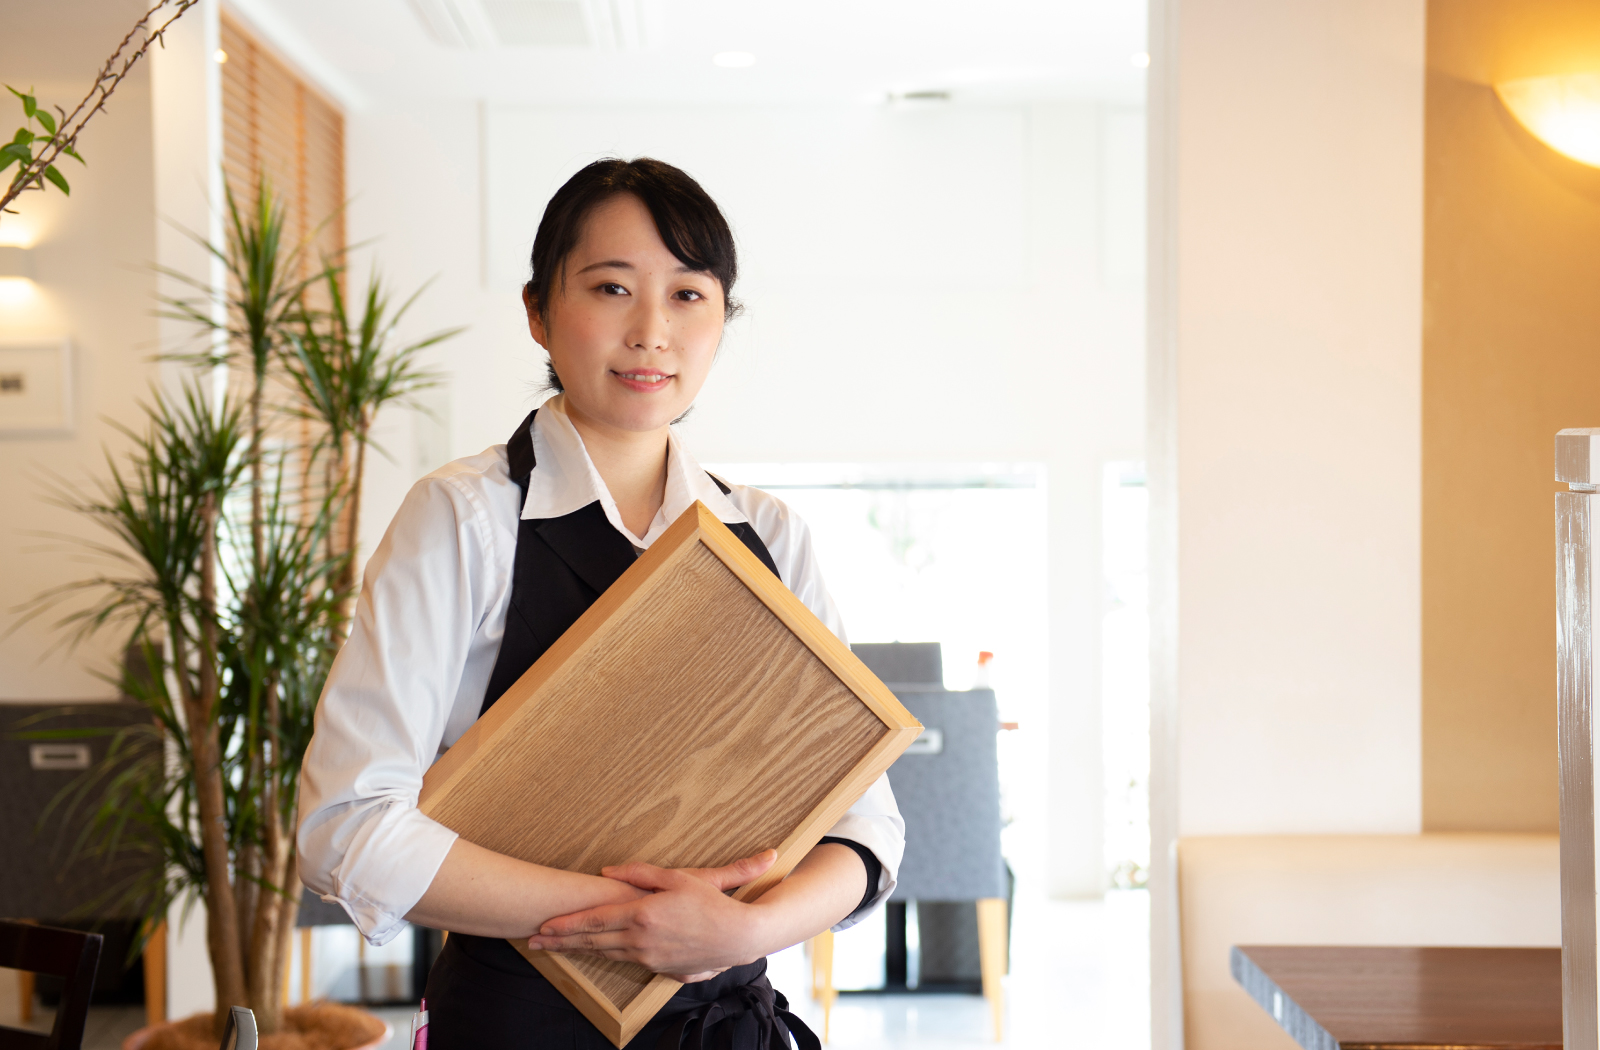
[(453, 23), (538, 23), (610, 25)]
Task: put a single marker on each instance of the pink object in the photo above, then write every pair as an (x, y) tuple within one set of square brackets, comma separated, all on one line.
[(419, 1028)]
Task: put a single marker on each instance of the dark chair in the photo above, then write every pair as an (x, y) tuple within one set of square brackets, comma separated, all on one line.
[(948, 786), (240, 1034), (67, 954)]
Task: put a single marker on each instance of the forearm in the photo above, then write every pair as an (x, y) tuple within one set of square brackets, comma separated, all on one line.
[(819, 893), (481, 892)]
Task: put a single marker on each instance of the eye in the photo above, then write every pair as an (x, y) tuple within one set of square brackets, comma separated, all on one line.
[(612, 288), (689, 295)]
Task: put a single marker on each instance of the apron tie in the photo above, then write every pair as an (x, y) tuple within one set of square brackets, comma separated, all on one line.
[(746, 1016)]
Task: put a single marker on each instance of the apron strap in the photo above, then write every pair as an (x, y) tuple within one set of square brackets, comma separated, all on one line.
[(747, 1016)]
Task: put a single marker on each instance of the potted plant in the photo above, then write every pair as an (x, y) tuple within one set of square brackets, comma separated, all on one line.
[(233, 525)]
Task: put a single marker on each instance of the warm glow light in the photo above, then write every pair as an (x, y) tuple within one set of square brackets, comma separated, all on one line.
[(15, 290), (16, 232), (733, 59), (220, 55), (1142, 59), (1563, 112)]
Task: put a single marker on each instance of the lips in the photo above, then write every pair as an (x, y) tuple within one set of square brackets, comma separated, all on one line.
[(644, 380)]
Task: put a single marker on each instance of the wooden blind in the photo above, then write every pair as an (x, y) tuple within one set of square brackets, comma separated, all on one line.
[(275, 125)]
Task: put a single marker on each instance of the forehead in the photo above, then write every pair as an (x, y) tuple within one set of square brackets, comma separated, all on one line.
[(619, 223)]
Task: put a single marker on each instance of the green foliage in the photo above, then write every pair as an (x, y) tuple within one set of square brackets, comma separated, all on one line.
[(263, 294), (345, 372), (150, 511), (21, 149), (232, 543)]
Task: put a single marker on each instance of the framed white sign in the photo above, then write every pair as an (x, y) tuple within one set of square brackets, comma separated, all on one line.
[(36, 389)]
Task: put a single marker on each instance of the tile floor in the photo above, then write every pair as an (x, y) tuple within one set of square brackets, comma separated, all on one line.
[(1080, 977)]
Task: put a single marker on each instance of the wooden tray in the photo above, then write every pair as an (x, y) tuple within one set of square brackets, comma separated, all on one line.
[(695, 714)]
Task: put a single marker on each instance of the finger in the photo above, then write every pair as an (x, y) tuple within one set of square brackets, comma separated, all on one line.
[(644, 876), (695, 978), (608, 941), (593, 920), (741, 872)]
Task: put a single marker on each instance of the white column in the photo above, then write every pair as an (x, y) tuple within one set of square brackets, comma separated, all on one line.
[(186, 119), (1577, 464)]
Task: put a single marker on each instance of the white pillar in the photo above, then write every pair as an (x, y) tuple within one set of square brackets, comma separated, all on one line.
[(1577, 464), (186, 119)]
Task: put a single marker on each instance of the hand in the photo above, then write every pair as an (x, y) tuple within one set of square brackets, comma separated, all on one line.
[(685, 927)]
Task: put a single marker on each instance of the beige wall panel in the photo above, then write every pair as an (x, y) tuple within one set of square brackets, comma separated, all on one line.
[(1511, 354), (1298, 330)]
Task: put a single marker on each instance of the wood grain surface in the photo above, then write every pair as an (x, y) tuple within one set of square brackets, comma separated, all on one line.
[(1364, 998), (696, 714)]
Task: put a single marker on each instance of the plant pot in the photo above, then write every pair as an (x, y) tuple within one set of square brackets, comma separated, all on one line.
[(140, 1039)]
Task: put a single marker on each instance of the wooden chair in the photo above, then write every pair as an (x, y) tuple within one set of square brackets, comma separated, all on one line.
[(240, 1033), (67, 954)]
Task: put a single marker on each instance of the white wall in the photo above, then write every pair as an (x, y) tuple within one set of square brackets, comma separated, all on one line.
[(954, 283), (1285, 367), (93, 252), (1299, 326)]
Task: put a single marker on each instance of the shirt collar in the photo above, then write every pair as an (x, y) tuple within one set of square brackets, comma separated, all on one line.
[(564, 479)]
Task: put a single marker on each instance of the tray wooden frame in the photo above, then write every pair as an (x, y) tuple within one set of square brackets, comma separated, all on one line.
[(497, 731)]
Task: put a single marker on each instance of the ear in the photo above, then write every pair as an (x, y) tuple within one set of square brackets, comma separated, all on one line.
[(536, 326)]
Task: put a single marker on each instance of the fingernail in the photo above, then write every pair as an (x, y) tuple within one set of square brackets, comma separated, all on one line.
[(547, 931)]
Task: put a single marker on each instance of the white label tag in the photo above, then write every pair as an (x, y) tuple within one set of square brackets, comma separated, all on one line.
[(58, 756)]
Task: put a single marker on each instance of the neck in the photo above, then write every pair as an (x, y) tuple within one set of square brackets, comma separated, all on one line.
[(632, 463)]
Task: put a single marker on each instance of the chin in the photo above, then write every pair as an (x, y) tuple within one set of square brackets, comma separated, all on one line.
[(644, 420)]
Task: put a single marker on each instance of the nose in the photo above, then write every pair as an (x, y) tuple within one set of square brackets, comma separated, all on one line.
[(650, 328)]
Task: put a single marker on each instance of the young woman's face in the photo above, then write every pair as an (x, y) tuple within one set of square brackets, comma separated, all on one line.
[(631, 331)]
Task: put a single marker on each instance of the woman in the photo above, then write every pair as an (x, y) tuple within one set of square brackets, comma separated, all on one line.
[(487, 562)]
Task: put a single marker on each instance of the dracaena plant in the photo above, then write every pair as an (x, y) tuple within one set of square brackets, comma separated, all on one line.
[(233, 532)]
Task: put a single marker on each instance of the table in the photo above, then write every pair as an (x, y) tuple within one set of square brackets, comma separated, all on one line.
[(1366, 998)]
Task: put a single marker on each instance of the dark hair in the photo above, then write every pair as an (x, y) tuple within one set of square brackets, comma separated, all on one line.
[(688, 220)]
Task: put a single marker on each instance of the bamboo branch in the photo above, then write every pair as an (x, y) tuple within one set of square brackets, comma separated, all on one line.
[(65, 138)]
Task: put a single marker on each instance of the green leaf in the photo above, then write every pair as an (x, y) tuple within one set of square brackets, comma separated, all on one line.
[(69, 151), (56, 177), (30, 105), (47, 120), (23, 136), (16, 152), (6, 160), (14, 91)]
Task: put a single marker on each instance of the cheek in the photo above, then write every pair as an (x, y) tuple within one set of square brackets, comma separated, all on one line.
[(580, 332), (700, 344)]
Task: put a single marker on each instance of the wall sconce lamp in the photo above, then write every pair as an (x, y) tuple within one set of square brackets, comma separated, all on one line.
[(16, 261), (1563, 112)]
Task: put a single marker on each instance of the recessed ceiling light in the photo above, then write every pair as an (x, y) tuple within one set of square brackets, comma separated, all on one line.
[(1142, 59), (220, 56), (733, 59)]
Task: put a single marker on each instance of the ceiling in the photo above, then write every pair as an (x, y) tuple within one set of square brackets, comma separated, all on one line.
[(660, 51)]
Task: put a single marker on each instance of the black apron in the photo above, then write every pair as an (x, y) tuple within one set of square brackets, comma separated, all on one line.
[(481, 992)]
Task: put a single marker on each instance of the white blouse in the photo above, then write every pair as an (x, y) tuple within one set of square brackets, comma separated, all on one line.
[(411, 678)]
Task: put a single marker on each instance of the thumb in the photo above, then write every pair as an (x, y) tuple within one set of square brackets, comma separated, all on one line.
[(741, 872)]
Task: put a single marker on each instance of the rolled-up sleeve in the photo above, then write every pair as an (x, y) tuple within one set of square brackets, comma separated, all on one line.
[(874, 821), (389, 703)]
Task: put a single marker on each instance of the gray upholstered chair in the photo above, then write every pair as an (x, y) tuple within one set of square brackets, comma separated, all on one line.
[(948, 787)]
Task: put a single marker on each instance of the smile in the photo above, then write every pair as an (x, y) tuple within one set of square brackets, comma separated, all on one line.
[(643, 377)]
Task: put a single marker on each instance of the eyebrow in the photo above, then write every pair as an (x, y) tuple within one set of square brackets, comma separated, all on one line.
[(619, 264)]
